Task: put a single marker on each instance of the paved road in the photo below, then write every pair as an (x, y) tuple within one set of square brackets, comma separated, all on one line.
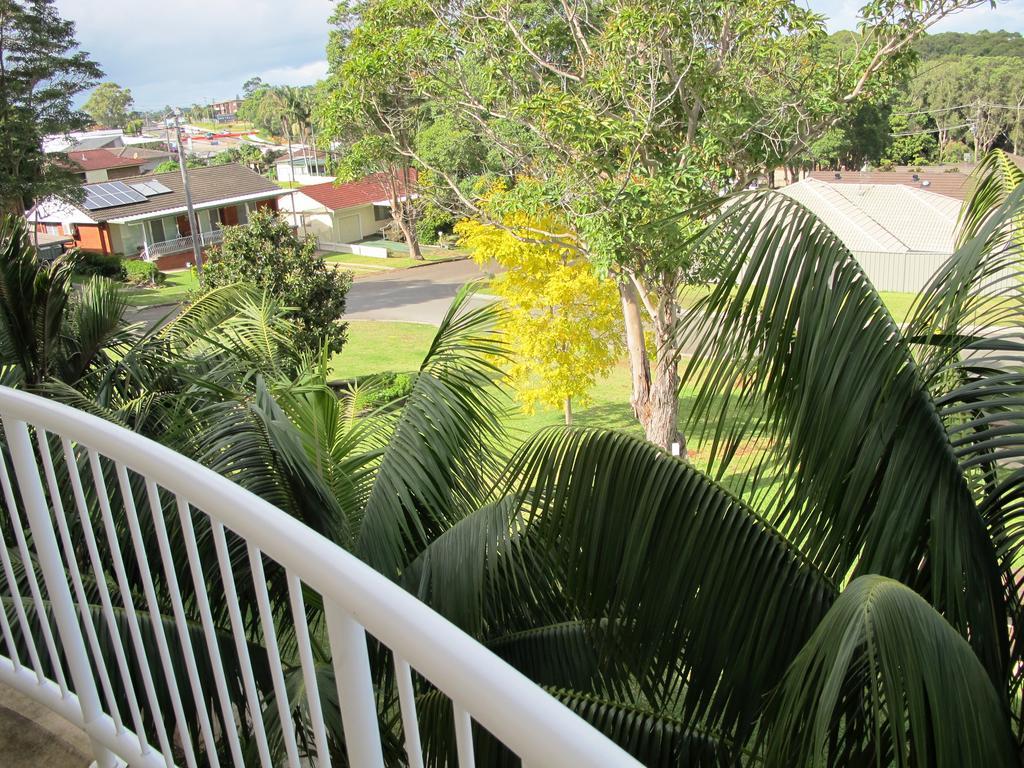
[(420, 295)]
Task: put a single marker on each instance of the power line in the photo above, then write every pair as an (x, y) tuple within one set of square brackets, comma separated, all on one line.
[(959, 106), (931, 130)]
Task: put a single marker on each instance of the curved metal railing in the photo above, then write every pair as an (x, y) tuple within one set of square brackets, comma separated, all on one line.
[(108, 534)]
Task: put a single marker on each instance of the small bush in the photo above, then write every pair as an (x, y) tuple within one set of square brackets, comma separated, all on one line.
[(389, 387), (143, 272), (99, 264), (433, 223)]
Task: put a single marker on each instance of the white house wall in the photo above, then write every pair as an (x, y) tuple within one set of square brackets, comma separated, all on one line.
[(321, 225), (367, 224)]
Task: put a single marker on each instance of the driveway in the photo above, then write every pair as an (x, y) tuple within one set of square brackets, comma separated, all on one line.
[(420, 295)]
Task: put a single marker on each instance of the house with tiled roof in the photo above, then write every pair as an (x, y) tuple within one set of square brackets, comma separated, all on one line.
[(946, 181), (96, 165), (342, 213), (901, 233), (146, 216)]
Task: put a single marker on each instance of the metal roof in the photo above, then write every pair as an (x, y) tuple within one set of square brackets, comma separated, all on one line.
[(881, 218), (949, 182)]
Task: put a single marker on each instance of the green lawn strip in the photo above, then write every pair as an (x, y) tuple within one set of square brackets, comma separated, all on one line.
[(376, 347), (176, 288)]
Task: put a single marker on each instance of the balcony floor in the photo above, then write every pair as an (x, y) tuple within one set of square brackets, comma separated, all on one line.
[(32, 736)]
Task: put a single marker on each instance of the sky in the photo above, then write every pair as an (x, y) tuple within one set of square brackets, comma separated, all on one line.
[(198, 51)]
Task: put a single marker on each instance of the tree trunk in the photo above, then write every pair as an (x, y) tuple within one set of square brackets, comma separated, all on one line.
[(401, 207), (655, 400), (568, 411), (662, 427), (639, 366)]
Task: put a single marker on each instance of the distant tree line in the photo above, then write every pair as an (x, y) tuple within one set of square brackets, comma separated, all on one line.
[(964, 97)]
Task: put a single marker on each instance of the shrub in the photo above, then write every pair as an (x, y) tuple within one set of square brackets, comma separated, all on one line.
[(387, 388), (267, 253), (433, 222), (99, 264), (142, 272)]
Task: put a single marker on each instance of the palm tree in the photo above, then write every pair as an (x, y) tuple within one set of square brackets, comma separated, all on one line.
[(854, 601), (46, 331)]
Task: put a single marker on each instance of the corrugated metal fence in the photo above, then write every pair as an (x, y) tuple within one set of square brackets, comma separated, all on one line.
[(911, 272)]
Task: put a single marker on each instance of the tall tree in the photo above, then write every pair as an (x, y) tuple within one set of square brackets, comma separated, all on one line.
[(250, 86), (110, 105), (371, 101), (41, 72), (627, 114)]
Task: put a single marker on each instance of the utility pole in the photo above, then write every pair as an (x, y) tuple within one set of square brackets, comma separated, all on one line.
[(196, 249), (291, 182)]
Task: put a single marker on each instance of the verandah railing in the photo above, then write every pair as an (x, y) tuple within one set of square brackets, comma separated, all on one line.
[(180, 244), (135, 583)]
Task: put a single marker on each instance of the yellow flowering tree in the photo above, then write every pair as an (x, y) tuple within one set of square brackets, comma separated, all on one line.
[(564, 323)]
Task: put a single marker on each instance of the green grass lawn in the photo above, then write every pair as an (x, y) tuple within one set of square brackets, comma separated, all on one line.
[(176, 288), (375, 347)]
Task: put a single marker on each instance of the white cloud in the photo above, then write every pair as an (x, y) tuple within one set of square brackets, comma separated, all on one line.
[(843, 14), (305, 74), (201, 50)]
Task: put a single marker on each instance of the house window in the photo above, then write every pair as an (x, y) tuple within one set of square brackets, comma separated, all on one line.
[(156, 230), (381, 213)]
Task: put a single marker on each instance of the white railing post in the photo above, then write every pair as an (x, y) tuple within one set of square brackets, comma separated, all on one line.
[(45, 540), (355, 688)]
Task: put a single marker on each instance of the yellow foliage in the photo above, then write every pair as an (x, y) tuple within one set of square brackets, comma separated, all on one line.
[(564, 324)]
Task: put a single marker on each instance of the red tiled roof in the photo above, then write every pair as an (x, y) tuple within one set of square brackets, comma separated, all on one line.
[(98, 159), (955, 185), (334, 197)]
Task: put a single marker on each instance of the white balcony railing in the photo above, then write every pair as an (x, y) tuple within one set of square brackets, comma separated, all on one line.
[(106, 531), (180, 244)]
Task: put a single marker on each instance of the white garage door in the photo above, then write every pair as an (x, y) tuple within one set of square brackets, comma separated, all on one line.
[(346, 229)]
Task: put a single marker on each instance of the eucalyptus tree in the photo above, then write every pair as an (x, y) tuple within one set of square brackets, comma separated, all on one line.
[(619, 115), (370, 103), (110, 105)]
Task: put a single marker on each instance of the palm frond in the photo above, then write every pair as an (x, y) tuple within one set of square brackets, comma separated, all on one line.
[(994, 179), (883, 651), (865, 478), (441, 462), (628, 526)]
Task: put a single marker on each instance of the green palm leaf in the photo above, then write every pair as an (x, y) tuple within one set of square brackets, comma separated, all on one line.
[(882, 650), (866, 480), (441, 460)]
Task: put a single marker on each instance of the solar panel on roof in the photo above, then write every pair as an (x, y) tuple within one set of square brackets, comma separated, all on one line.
[(150, 188), (110, 194)]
